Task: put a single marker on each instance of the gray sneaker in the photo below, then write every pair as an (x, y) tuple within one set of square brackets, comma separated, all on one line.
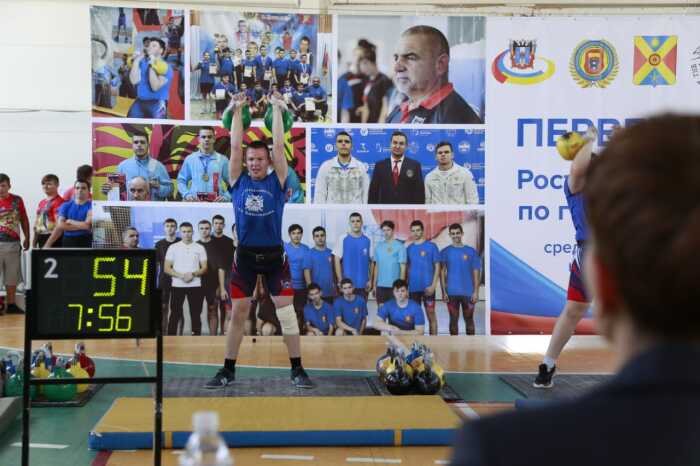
[(222, 379), (300, 378)]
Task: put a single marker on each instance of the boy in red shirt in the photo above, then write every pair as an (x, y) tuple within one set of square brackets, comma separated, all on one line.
[(46, 212), (12, 217)]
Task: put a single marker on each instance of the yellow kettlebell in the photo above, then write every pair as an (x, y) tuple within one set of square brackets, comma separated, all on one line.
[(79, 373), (160, 67)]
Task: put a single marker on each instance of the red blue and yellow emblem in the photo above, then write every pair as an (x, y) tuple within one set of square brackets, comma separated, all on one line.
[(594, 63), (655, 59), (519, 64)]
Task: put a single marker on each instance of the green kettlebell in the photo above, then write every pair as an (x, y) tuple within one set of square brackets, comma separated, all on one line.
[(227, 118), (287, 119), (15, 385), (60, 392)]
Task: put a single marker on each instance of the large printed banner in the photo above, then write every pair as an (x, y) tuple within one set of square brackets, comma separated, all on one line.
[(160, 77), (547, 76)]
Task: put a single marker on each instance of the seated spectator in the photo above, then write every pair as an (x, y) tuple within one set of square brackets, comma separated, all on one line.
[(320, 97), (222, 94), (350, 310), (288, 90), (267, 322), (318, 314), (298, 101), (259, 98), (640, 264), (400, 316)]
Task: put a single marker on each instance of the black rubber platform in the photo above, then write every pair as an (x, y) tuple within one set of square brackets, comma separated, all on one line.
[(565, 386), (268, 386), (282, 386)]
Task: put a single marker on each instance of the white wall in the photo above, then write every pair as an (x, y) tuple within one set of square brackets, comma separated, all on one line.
[(45, 52), (37, 143)]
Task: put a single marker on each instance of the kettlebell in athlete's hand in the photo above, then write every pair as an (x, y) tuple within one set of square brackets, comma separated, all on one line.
[(227, 117), (570, 143), (287, 119), (159, 66)]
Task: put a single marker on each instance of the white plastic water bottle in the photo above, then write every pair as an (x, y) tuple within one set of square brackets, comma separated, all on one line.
[(205, 447)]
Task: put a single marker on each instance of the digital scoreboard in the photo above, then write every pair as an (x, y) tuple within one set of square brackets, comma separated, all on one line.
[(93, 293)]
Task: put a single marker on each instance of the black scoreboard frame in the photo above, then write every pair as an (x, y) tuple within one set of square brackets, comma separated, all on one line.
[(31, 333)]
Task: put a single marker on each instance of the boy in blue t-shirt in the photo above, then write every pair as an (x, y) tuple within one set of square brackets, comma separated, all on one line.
[(263, 68), (280, 66), (296, 257), (259, 101), (298, 100), (423, 272), (287, 92), (389, 263), (353, 257), (400, 316), (350, 311), (318, 267), (461, 265), (226, 65), (250, 67), (206, 80), (318, 314)]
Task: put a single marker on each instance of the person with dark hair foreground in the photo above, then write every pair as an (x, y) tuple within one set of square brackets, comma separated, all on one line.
[(643, 206)]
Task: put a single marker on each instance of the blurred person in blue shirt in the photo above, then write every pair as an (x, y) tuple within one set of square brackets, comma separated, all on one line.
[(400, 316), (350, 310), (460, 279), (318, 314), (152, 77), (223, 90), (319, 95), (281, 66)]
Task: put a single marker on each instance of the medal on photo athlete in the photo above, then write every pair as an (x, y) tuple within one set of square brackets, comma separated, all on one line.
[(205, 166)]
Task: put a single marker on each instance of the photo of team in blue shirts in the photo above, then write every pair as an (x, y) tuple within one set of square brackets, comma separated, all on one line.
[(264, 54), (369, 286)]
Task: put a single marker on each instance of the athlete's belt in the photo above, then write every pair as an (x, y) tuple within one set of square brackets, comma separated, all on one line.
[(262, 255)]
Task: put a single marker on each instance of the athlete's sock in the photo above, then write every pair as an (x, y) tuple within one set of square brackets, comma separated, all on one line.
[(230, 364), (296, 362), (549, 362)]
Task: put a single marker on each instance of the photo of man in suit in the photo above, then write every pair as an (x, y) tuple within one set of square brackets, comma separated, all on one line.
[(397, 179)]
